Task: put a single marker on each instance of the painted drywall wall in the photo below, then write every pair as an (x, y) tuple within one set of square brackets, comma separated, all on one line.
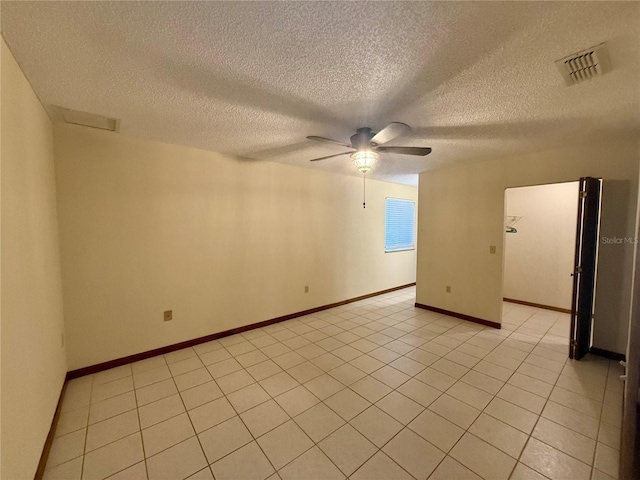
[(148, 227), (630, 438), (461, 213), (539, 257), (33, 357)]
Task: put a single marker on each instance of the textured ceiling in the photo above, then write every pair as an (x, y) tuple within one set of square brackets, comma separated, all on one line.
[(473, 79)]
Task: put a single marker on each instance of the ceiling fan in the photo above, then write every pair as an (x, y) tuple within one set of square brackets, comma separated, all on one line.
[(365, 145)]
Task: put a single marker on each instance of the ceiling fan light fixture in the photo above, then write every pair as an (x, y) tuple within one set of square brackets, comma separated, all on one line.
[(364, 160)]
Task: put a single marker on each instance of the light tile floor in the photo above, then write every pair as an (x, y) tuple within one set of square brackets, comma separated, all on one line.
[(371, 390)]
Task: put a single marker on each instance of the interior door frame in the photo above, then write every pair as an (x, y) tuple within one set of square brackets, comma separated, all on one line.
[(576, 247), (585, 267)]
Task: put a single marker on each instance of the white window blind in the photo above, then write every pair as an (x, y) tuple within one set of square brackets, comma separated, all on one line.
[(399, 224)]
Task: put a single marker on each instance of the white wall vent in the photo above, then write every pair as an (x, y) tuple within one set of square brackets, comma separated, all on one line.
[(86, 119), (584, 65)]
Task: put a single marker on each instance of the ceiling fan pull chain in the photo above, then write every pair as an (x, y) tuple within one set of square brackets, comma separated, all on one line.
[(364, 190)]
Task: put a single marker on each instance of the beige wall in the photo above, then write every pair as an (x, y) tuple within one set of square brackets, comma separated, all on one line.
[(147, 227), (630, 438), (461, 212), (539, 258), (33, 358)]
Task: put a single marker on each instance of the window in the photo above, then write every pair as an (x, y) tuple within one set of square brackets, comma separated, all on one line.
[(399, 224)]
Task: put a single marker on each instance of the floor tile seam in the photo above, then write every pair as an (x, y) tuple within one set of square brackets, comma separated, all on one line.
[(514, 371), (142, 440), (120, 393), (380, 449), (144, 454), (544, 368), (526, 391), (255, 439), (74, 431), (113, 380), (270, 429), (535, 425), (128, 466), (341, 382), (487, 413), (165, 419), (64, 463), (403, 425), (195, 432), (447, 454), (579, 395), (86, 433), (465, 430), (333, 409), (86, 429), (315, 444), (390, 458), (576, 377), (276, 470), (592, 465), (473, 406), (595, 450), (85, 453), (483, 358)]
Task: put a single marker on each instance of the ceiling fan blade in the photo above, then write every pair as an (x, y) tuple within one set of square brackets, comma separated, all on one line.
[(330, 156), (390, 132), (422, 151), (327, 140)]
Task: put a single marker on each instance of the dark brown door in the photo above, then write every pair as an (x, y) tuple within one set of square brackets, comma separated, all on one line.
[(584, 274)]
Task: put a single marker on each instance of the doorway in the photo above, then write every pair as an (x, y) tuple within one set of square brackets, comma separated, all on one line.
[(551, 234)]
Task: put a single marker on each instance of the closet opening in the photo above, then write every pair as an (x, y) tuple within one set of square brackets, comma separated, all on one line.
[(550, 256)]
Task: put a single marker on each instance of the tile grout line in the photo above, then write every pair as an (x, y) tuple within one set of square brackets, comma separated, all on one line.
[(86, 434), (414, 347), (144, 453), (363, 353), (315, 444), (188, 416), (446, 454), (121, 438), (137, 408), (254, 438), (592, 467), (159, 399), (347, 422), (481, 412), (380, 449), (504, 383), (595, 450), (537, 420), (495, 395)]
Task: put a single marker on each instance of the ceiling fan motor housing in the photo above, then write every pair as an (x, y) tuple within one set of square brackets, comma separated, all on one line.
[(367, 142), (362, 139)]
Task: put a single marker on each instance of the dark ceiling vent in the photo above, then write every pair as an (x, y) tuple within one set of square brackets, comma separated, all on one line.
[(86, 119), (584, 65)]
